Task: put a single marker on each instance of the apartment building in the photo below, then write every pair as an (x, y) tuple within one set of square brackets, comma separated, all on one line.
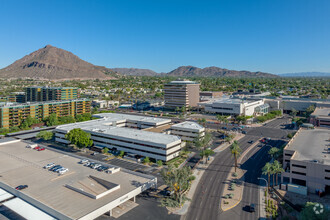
[(306, 160), (13, 114), (188, 130), (181, 93), (40, 94)]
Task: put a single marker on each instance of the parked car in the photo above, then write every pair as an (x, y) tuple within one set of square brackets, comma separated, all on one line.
[(41, 149), (95, 166), (63, 170), (95, 153), (50, 165), (224, 128), (21, 187), (243, 132), (54, 167), (87, 164), (252, 208), (37, 148), (32, 146), (250, 142), (83, 161), (58, 168)]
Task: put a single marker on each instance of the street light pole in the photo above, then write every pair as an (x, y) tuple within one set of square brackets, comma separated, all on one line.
[(259, 178)]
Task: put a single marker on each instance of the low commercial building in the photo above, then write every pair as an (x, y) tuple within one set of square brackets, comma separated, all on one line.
[(80, 193), (13, 114), (121, 132), (188, 131), (228, 106), (181, 94), (210, 95), (320, 117), (301, 105), (306, 160)]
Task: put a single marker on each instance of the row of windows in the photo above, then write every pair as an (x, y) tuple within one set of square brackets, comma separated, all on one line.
[(299, 173), (223, 108), (300, 166)]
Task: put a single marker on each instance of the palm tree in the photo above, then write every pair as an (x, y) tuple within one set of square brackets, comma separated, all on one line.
[(278, 169), (266, 170), (235, 151)]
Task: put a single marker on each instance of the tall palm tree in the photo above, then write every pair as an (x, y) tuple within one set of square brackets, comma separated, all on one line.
[(266, 170), (278, 169), (235, 151)]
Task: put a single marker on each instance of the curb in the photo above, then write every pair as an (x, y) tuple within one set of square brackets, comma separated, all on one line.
[(240, 199)]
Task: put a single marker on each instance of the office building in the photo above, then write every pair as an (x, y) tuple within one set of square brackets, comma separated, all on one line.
[(306, 160), (228, 106), (181, 93), (13, 114), (320, 117), (40, 94), (80, 193), (123, 133), (188, 131)]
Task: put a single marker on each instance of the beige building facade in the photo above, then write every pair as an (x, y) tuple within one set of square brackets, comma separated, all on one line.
[(181, 93)]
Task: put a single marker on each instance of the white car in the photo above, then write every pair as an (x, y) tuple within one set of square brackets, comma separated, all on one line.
[(50, 165), (83, 161), (62, 171), (95, 166)]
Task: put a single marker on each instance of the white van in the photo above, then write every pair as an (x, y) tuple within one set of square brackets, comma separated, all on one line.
[(32, 146)]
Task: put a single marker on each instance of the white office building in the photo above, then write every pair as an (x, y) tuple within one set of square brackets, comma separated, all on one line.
[(228, 106), (188, 131), (121, 132)]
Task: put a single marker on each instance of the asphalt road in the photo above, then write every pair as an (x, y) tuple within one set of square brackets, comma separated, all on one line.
[(206, 201)]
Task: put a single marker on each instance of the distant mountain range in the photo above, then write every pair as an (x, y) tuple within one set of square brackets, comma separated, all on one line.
[(51, 63), (215, 72), (305, 74)]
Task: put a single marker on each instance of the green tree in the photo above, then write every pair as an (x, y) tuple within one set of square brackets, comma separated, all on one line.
[(46, 135), (267, 170), (235, 151), (121, 153), (66, 119), (277, 167), (146, 160), (79, 138), (206, 153), (273, 152), (52, 120), (105, 150), (310, 110), (308, 212), (159, 163), (178, 180)]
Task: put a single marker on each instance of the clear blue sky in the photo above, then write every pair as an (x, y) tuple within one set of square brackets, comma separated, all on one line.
[(275, 36)]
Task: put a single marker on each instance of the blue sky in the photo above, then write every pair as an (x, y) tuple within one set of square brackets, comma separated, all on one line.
[(275, 36)]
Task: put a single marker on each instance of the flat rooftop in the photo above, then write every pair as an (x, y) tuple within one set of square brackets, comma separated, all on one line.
[(232, 101), (15, 104), (310, 145), (182, 82), (24, 166), (135, 118), (102, 126), (323, 112), (188, 125)]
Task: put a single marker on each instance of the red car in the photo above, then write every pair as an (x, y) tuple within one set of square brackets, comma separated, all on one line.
[(40, 149), (37, 148)]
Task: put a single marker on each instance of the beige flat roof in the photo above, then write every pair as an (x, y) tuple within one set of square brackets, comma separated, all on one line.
[(24, 166)]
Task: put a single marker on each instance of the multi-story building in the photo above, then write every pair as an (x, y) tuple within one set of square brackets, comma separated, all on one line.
[(122, 133), (188, 131), (181, 93), (320, 117), (306, 160), (227, 106), (40, 94), (13, 114)]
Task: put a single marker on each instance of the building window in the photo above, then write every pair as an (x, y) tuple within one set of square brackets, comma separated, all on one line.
[(300, 166), (327, 171), (327, 178), (298, 182), (299, 173), (289, 155)]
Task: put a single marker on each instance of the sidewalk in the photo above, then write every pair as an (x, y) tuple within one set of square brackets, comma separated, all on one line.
[(262, 206)]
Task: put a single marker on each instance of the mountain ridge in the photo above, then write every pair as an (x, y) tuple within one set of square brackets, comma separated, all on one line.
[(52, 63)]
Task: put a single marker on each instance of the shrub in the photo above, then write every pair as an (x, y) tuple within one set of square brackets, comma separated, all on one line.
[(121, 154), (159, 163), (227, 196), (235, 174), (146, 160)]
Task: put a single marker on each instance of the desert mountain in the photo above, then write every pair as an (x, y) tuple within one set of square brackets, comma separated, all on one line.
[(52, 63), (135, 71), (214, 72)]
